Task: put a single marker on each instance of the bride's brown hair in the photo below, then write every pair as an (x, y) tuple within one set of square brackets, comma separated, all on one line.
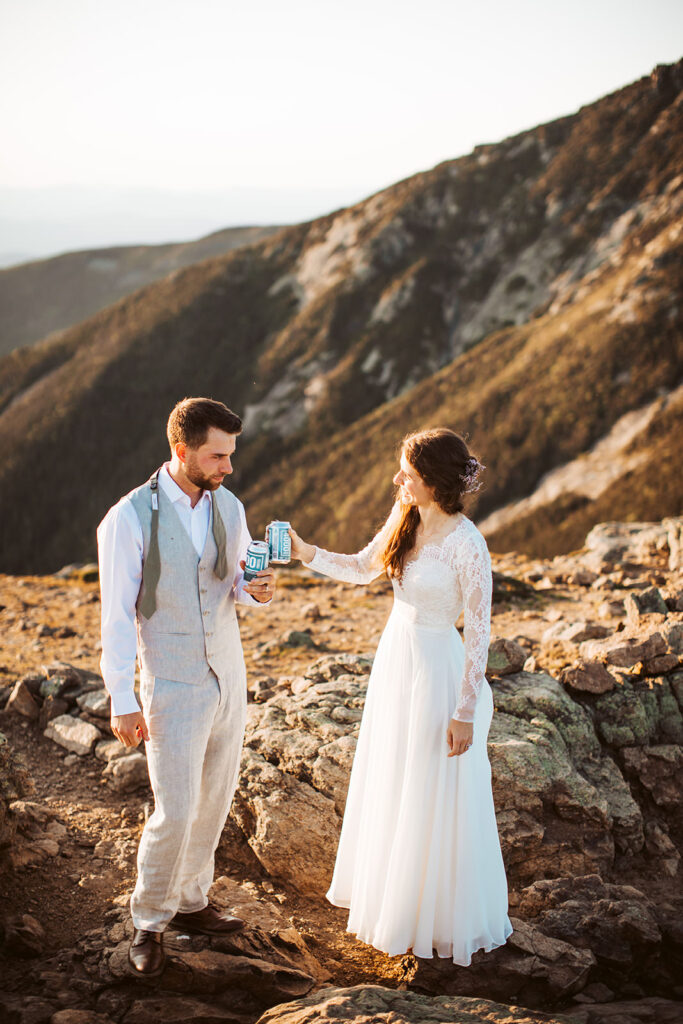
[(448, 468)]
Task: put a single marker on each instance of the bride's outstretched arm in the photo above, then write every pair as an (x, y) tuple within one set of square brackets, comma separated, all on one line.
[(360, 568)]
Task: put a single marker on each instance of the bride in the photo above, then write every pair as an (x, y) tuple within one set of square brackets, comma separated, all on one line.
[(419, 865)]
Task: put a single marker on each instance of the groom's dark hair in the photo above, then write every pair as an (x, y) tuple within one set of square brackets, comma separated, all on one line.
[(191, 419)]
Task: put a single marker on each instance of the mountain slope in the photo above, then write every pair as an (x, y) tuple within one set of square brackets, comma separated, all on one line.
[(49, 295), (528, 293), (531, 398)]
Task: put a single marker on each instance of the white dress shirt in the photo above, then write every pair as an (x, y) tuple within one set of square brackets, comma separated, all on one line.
[(120, 550)]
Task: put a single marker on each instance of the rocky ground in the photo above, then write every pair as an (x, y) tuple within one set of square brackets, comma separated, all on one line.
[(586, 747)]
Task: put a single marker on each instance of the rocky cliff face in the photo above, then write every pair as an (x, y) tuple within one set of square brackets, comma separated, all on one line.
[(527, 294)]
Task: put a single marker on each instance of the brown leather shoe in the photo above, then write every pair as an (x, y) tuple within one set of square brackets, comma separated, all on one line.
[(209, 921), (146, 954)]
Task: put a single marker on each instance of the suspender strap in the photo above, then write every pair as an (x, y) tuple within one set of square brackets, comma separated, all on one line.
[(151, 570)]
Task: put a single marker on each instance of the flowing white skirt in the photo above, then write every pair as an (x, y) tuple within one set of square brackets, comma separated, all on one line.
[(419, 864)]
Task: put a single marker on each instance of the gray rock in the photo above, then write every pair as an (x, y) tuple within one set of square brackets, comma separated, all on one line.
[(176, 1009), (72, 734), (505, 656), (623, 652), (21, 701), (291, 827), (673, 634), (33, 681), (23, 936), (74, 1016), (659, 769), (532, 968), (54, 686), (373, 1004), (650, 1010), (96, 703), (639, 712), (575, 632), (661, 664), (674, 536), (658, 844), (127, 773), (263, 688), (611, 609), (210, 972), (588, 677), (52, 707), (331, 666), (36, 1011), (107, 750), (297, 638), (617, 923), (613, 544), (647, 602), (561, 805)]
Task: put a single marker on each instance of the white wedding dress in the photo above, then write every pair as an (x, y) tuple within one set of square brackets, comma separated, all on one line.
[(419, 864)]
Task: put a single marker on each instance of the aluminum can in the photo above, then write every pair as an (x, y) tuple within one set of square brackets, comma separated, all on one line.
[(279, 542), (257, 559)]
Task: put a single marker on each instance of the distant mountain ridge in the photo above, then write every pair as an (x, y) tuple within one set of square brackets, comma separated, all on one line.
[(528, 294), (48, 295)]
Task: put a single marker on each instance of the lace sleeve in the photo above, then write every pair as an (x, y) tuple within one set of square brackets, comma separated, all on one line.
[(474, 568), (361, 568)]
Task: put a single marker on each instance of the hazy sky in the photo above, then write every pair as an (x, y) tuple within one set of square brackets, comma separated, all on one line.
[(319, 98)]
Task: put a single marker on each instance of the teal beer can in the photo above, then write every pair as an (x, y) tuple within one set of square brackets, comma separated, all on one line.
[(279, 542), (256, 560)]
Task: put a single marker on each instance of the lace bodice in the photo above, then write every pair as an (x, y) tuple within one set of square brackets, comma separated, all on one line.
[(438, 584)]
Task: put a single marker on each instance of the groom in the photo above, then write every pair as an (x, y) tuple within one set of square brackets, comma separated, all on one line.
[(171, 555)]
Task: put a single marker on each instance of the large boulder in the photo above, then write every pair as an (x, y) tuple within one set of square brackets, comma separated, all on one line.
[(265, 963), (618, 923), (533, 968), (638, 712), (372, 1004), (295, 770), (562, 805), (291, 827)]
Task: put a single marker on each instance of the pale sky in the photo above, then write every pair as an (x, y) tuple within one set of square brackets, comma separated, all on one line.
[(322, 100)]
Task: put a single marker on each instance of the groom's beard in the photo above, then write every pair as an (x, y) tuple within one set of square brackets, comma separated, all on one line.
[(199, 479)]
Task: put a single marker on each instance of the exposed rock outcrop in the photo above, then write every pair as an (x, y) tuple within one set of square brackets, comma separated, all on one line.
[(366, 1003)]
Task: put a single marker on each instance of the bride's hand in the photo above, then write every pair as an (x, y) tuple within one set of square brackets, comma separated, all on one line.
[(459, 737), (300, 549)]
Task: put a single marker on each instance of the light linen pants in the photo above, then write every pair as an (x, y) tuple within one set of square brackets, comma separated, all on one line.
[(193, 757)]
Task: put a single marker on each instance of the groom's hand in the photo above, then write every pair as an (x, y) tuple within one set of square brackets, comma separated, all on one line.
[(262, 587), (130, 729)]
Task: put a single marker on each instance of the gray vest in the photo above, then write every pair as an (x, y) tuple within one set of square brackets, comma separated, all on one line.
[(194, 625)]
